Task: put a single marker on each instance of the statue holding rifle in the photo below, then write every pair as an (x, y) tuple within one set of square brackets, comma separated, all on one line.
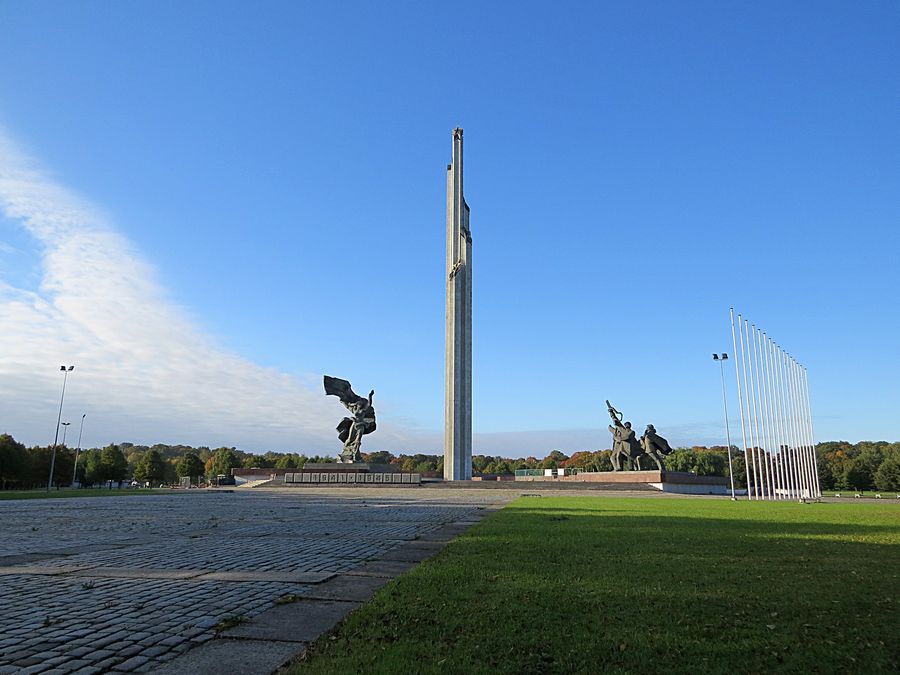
[(626, 447)]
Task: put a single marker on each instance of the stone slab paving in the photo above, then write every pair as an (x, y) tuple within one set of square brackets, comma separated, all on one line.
[(188, 582), (302, 621), (244, 657)]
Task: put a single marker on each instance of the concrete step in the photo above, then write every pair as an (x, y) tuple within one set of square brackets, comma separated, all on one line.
[(254, 483)]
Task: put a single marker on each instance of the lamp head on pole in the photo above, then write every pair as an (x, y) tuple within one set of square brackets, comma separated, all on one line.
[(715, 357)]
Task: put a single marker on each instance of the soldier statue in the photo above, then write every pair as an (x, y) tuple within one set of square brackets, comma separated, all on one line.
[(625, 445), (655, 446)]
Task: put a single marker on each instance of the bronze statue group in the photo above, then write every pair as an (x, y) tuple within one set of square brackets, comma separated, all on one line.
[(628, 450)]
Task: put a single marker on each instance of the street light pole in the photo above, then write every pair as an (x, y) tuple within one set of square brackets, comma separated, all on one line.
[(722, 359), (78, 449), (65, 429), (66, 370)]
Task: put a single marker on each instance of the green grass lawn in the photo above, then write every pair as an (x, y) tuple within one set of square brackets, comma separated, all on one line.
[(640, 586), (86, 492)]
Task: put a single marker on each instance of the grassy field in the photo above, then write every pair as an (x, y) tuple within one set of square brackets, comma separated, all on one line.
[(640, 586), (87, 492)]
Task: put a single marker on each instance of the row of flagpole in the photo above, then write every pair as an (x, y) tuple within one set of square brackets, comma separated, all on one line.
[(776, 417)]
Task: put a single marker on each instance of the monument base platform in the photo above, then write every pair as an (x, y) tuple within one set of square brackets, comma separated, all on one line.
[(668, 481)]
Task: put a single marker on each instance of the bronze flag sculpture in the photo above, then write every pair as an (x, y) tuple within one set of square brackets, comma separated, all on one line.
[(352, 429)]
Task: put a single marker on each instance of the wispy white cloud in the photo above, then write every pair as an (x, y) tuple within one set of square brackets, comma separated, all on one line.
[(144, 371)]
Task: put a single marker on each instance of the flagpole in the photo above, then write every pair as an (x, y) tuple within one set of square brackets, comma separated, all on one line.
[(812, 435), (797, 439), (748, 456), (737, 376), (779, 421), (757, 451), (789, 459), (801, 413), (773, 468), (764, 411)]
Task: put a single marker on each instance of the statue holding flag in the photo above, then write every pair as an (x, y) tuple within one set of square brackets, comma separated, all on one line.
[(629, 449), (351, 429)]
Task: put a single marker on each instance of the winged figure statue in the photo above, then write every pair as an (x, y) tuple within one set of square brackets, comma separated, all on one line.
[(352, 429)]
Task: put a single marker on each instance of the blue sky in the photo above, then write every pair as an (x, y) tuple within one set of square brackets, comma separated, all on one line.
[(206, 206)]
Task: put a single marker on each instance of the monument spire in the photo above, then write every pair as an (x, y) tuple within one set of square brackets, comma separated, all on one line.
[(458, 359)]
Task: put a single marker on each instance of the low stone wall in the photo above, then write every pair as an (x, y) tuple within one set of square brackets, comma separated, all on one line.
[(670, 481), (349, 477), (632, 477), (600, 477)]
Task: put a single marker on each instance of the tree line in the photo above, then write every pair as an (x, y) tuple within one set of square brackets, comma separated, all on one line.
[(842, 466), (24, 467), (866, 465)]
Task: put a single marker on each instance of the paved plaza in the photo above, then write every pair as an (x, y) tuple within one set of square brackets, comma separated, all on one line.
[(197, 581)]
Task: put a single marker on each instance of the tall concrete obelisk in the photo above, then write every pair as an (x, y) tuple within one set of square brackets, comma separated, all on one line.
[(458, 365)]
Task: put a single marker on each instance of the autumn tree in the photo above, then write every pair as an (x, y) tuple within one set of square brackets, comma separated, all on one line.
[(378, 457)]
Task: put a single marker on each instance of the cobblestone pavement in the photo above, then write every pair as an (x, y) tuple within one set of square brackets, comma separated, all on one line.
[(128, 583)]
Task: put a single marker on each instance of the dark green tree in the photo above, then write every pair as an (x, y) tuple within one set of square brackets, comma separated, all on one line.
[(113, 464), (266, 461), (887, 477), (601, 460), (740, 469), (682, 459), (190, 465), (480, 462), (285, 462), (89, 469), (14, 462), (170, 475), (150, 469), (503, 467), (860, 473), (553, 460), (223, 461), (710, 464), (40, 465)]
